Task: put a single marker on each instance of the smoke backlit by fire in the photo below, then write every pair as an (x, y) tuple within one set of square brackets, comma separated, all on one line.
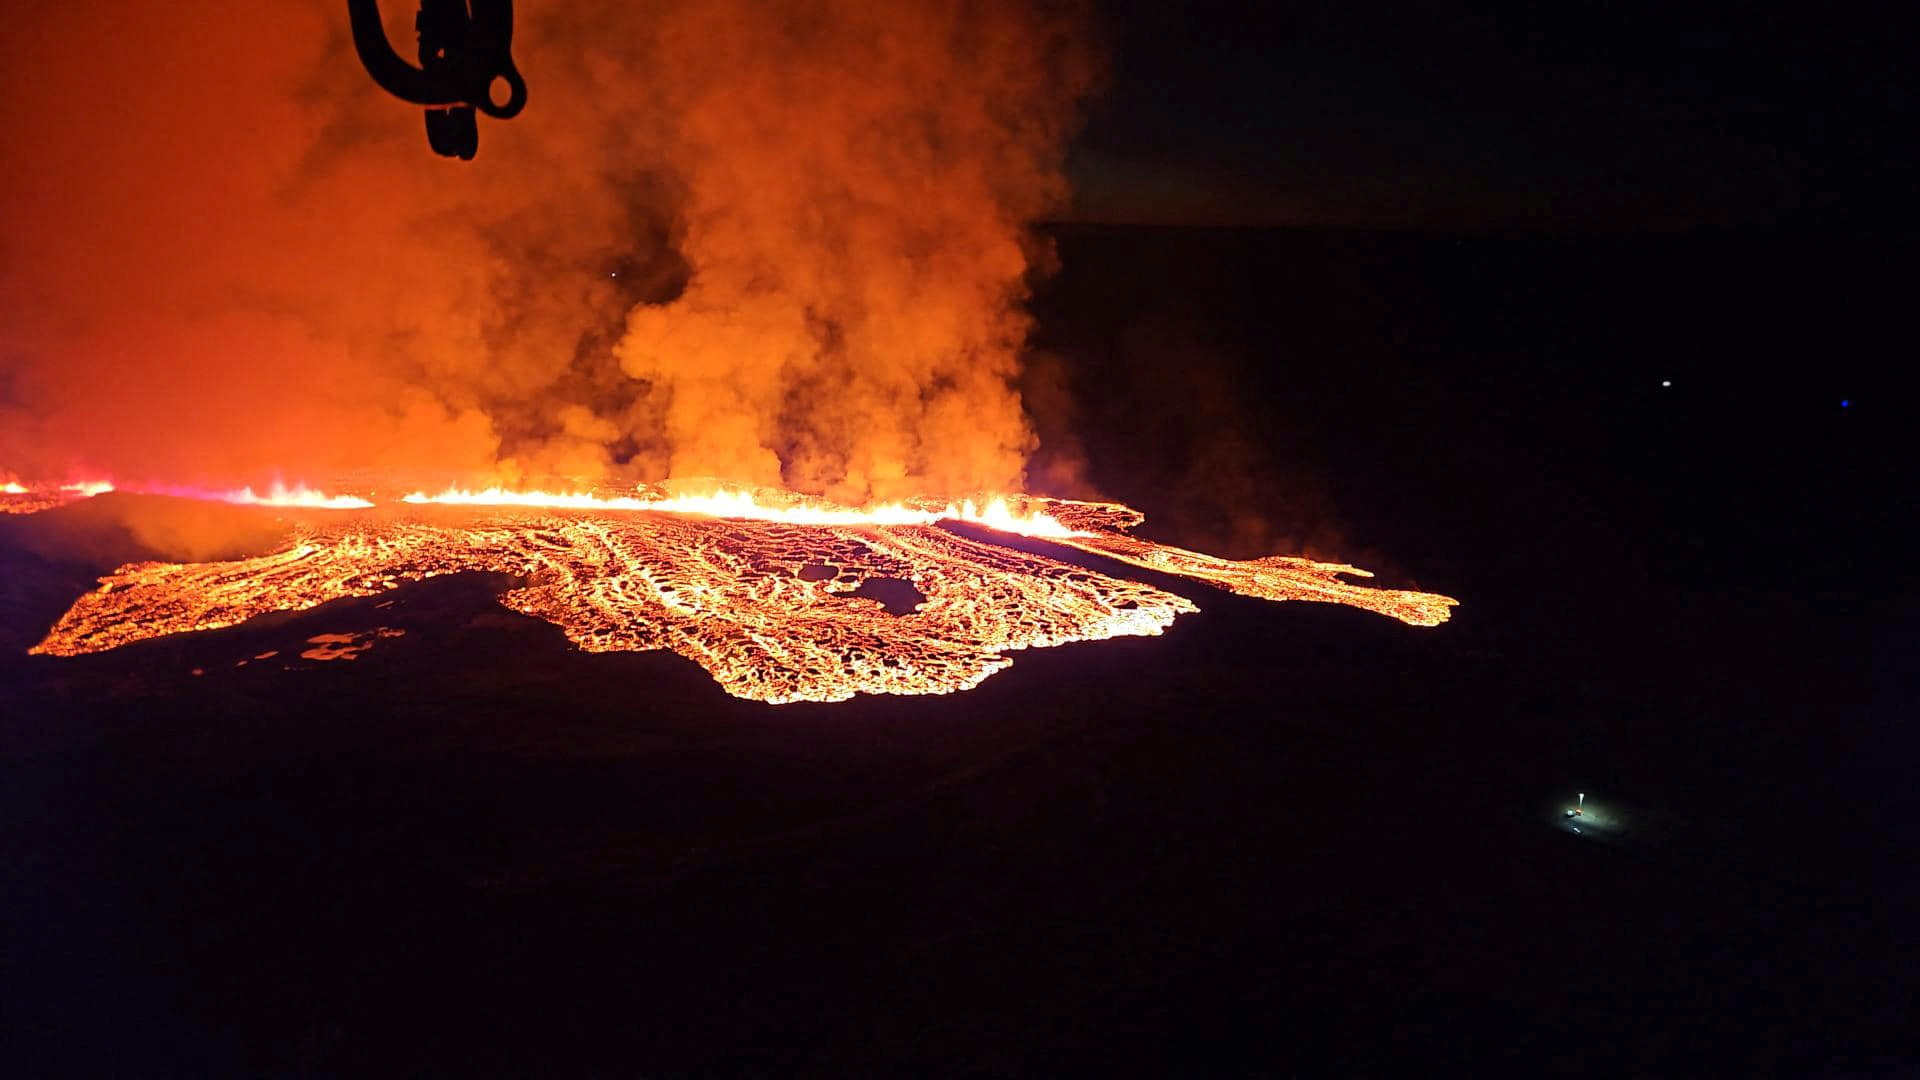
[(774, 241)]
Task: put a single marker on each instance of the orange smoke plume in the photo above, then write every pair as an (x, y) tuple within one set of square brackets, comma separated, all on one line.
[(773, 242)]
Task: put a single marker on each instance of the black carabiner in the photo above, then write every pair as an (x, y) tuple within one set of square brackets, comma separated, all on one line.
[(464, 46)]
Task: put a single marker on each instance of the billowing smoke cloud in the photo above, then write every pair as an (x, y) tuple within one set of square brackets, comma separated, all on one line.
[(766, 241)]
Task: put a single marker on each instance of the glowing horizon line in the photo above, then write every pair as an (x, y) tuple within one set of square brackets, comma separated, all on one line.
[(995, 512)]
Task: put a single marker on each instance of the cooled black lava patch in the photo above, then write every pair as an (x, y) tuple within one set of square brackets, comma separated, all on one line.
[(897, 595)]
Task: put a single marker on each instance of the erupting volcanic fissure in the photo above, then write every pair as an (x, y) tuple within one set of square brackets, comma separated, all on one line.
[(786, 244), (768, 598)]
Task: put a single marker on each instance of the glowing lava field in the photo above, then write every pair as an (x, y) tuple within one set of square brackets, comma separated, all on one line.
[(774, 601)]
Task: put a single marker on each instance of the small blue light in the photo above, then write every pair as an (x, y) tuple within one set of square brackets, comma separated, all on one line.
[(1846, 403)]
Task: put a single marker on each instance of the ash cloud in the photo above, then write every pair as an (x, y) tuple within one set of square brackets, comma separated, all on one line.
[(776, 242)]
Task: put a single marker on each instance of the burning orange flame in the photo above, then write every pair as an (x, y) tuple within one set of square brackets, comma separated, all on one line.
[(298, 495), (28, 498), (995, 512), (279, 494)]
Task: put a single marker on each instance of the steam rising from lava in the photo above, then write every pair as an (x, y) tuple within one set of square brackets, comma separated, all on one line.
[(772, 241)]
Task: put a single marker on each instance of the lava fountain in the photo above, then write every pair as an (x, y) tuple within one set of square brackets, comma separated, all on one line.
[(772, 594)]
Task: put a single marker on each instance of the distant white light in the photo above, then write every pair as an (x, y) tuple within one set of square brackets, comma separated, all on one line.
[(1666, 382)]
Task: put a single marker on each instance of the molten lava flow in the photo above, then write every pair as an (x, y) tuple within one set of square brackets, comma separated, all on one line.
[(1277, 577), (768, 592), (1105, 529), (19, 498), (769, 608)]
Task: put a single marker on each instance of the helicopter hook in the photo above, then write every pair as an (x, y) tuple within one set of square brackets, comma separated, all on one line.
[(464, 49)]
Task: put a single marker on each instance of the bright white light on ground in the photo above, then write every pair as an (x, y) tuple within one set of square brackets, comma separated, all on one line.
[(1582, 817)]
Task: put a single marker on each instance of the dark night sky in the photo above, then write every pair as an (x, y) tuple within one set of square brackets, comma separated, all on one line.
[(1605, 116)]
